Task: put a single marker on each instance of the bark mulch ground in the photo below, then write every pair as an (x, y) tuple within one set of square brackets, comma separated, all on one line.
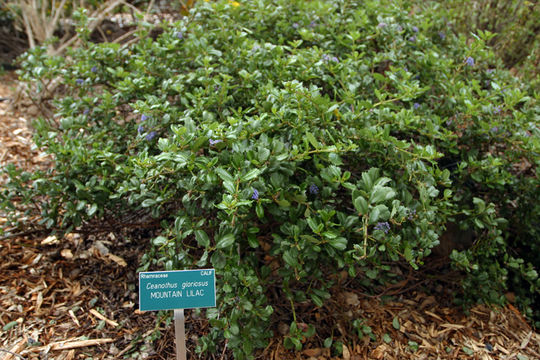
[(76, 298)]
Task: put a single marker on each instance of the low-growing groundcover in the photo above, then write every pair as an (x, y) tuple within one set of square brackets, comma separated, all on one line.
[(282, 142)]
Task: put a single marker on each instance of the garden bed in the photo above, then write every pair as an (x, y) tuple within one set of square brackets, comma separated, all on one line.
[(77, 298)]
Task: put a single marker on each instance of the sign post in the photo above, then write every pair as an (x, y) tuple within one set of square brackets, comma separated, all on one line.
[(177, 290), (180, 332)]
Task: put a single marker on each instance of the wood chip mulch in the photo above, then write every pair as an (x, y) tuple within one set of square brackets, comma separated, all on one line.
[(76, 298)]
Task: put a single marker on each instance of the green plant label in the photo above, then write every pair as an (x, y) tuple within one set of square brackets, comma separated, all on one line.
[(182, 289)]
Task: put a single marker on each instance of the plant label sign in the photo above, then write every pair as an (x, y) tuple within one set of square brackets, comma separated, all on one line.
[(181, 289)]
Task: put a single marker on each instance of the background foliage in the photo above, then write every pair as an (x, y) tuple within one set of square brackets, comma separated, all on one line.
[(283, 142), (514, 22)]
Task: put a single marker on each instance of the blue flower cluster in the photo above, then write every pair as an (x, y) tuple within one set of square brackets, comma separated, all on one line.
[(328, 58), (383, 226), (469, 61), (151, 135), (255, 195), (140, 129), (313, 189)]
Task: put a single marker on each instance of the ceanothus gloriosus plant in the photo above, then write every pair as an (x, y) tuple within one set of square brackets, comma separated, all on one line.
[(283, 141)]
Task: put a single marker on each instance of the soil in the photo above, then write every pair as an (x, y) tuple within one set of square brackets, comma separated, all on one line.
[(76, 298)]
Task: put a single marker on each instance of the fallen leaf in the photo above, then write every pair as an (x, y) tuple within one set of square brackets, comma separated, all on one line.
[(346, 353), (117, 259), (100, 246), (67, 254), (312, 352), (128, 304), (378, 353), (351, 298), (50, 240)]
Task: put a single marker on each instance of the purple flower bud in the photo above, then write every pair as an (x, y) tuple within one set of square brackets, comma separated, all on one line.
[(412, 39), (381, 25), (416, 106), (442, 35), (497, 110), (93, 69), (494, 129), (79, 81), (335, 59), (86, 111), (214, 142), (313, 189), (255, 195), (415, 29), (151, 135), (295, 25), (312, 24), (179, 35), (469, 61), (140, 129), (144, 117), (399, 28)]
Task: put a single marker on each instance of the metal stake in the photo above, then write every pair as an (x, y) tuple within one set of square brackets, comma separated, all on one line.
[(180, 333)]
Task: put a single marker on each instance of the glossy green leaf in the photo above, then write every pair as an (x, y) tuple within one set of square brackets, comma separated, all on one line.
[(202, 238), (225, 241)]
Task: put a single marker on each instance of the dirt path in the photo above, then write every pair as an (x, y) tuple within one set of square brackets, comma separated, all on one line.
[(76, 298)]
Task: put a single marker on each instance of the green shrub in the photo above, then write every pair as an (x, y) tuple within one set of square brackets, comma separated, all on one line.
[(283, 141)]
